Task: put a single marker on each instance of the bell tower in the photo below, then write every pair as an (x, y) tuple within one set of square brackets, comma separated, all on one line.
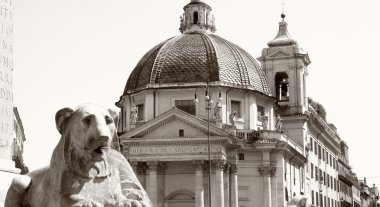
[(197, 16), (285, 65)]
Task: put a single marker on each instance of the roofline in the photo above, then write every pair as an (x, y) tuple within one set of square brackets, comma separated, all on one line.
[(196, 85)]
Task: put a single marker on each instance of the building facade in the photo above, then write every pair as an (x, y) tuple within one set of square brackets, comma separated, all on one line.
[(203, 121)]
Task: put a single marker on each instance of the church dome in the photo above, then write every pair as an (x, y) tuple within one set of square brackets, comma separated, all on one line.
[(197, 57)]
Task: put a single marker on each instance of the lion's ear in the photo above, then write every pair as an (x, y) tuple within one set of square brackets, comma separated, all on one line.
[(115, 139), (115, 116), (61, 118)]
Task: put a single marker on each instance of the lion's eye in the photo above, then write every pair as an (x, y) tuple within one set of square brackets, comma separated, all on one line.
[(87, 120), (109, 120)]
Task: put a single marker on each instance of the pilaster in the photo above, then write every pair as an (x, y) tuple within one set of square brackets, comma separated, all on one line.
[(267, 172), (152, 188), (234, 196), (199, 188)]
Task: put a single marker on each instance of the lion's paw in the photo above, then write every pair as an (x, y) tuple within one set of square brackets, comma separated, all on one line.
[(126, 203), (91, 204)]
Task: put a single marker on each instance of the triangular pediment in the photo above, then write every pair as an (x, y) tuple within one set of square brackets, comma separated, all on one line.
[(169, 124), (279, 53)]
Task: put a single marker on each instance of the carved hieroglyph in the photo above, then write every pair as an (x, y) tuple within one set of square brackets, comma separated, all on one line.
[(84, 169)]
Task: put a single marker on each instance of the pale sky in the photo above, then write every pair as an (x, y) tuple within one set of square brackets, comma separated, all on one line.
[(82, 51)]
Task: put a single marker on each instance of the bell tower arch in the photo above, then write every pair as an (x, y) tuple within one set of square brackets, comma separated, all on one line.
[(285, 66)]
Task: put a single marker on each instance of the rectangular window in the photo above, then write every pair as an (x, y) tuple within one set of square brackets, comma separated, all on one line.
[(181, 133), (235, 107), (330, 160), (140, 114), (312, 197), (328, 180), (315, 148), (311, 144), (321, 199), (316, 198), (323, 154), (334, 163), (186, 106), (260, 116), (241, 156), (312, 170), (327, 157), (316, 173), (319, 152)]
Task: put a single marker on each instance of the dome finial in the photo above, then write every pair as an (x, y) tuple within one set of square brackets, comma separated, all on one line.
[(283, 10), (282, 38)]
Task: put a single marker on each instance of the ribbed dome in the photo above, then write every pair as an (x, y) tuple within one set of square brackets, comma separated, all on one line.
[(194, 58)]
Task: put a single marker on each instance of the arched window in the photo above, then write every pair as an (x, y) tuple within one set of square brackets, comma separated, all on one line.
[(282, 86), (195, 17)]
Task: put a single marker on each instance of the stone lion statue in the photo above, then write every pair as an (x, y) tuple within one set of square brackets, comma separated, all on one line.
[(298, 201), (84, 170)]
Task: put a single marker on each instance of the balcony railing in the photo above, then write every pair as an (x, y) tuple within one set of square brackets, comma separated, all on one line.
[(252, 136), (249, 135)]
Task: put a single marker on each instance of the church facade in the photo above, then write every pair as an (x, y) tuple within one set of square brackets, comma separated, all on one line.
[(203, 121)]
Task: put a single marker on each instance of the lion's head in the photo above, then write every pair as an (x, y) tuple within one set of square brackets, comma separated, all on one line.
[(87, 133)]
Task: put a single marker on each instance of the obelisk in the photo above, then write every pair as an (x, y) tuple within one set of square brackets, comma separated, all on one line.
[(7, 166)]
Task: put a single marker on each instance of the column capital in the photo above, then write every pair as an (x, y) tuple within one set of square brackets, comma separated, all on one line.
[(133, 163), (198, 164), (152, 165), (161, 167), (267, 170), (234, 168), (219, 164)]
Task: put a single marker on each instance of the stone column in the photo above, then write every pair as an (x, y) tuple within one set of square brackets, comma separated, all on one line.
[(267, 172), (234, 186), (161, 184), (199, 188), (152, 188), (219, 187), (226, 179)]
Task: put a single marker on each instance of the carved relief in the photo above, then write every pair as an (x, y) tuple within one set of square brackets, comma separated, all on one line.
[(295, 67)]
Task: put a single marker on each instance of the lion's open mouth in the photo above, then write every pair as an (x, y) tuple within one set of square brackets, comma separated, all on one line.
[(99, 150)]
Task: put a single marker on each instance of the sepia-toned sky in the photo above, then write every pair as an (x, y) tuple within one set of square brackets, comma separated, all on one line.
[(82, 51)]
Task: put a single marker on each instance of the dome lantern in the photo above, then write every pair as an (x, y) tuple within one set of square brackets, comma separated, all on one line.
[(283, 37), (197, 16)]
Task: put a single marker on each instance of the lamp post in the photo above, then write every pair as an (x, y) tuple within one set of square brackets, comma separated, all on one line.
[(208, 108), (208, 103)]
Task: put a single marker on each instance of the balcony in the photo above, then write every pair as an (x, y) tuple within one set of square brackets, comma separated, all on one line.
[(263, 136)]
